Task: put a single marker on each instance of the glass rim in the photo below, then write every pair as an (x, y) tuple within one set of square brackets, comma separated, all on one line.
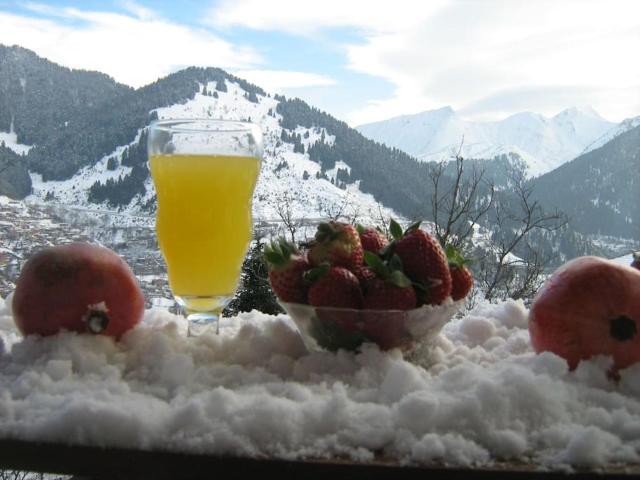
[(191, 125)]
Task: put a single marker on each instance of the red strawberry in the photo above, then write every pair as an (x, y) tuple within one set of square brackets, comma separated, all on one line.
[(365, 276), (424, 261), (461, 282), (372, 240), (391, 289), (286, 268), (336, 287), (461, 276), (385, 295), (337, 243), (636, 260)]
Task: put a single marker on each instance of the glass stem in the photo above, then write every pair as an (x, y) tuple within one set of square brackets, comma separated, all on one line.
[(202, 312), (200, 322)]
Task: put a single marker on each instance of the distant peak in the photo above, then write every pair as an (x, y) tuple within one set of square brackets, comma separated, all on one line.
[(526, 115), (438, 112), (446, 109), (574, 111)]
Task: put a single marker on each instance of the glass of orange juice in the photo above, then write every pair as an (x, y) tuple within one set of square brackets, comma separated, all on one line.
[(205, 172)]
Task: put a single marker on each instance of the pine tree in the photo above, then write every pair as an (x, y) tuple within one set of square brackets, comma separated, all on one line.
[(255, 292), (221, 85), (112, 164)]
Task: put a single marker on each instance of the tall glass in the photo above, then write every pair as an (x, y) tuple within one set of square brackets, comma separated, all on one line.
[(204, 172)]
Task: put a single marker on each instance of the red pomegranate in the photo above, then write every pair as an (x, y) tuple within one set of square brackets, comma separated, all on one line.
[(590, 306), (78, 287)]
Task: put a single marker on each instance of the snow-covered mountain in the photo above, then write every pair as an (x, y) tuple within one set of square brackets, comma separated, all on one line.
[(543, 143), (288, 178)]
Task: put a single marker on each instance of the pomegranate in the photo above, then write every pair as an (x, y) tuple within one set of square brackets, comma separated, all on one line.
[(78, 287), (590, 306)]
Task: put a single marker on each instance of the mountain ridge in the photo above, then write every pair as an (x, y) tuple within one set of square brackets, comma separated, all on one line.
[(315, 166), (543, 142)]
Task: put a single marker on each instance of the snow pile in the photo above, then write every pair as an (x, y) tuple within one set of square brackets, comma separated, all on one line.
[(485, 397)]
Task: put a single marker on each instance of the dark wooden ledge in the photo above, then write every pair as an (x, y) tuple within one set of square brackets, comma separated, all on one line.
[(118, 463)]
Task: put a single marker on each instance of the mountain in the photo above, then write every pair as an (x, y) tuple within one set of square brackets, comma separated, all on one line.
[(543, 143), (93, 155), (599, 190), (82, 140)]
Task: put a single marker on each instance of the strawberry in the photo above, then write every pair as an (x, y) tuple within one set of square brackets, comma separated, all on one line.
[(391, 289), (461, 276), (335, 287), (372, 240), (286, 268), (365, 276), (636, 260), (386, 295), (337, 243), (424, 260)]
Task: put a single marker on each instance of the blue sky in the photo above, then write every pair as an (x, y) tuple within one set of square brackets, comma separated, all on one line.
[(360, 60)]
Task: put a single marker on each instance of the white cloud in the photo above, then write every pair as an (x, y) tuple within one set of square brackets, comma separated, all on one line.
[(485, 58), (135, 50), (280, 80), (138, 10), (491, 59), (297, 17)]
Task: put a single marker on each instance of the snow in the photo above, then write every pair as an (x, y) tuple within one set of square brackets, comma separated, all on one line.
[(480, 396), (10, 140), (624, 259), (543, 143)]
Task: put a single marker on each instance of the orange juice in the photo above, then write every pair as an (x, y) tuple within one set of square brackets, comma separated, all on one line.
[(204, 219)]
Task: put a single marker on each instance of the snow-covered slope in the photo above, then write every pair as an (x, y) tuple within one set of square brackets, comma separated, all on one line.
[(613, 132), (10, 140), (544, 143), (283, 183)]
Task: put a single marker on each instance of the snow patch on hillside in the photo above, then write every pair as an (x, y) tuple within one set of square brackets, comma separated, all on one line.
[(75, 190), (10, 140)]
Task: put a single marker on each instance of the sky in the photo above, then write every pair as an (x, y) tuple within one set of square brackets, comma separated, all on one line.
[(360, 60)]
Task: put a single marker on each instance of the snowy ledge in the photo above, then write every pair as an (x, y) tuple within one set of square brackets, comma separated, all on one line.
[(485, 398)]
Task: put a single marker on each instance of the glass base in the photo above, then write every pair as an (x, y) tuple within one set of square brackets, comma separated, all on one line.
[(203, 313)]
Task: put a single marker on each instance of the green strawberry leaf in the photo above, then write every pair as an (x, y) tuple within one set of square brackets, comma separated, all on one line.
[(454, 257), (387, 250), (273, 255), (413, 226), (395, 263), (360, 229), (315, 274), (395, 229), (399, 279), (376, 263)]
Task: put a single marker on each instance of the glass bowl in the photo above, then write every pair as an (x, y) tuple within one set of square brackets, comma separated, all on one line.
[(328, 328)]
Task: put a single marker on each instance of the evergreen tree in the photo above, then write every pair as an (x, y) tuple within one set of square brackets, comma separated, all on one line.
[(254, 292), (252, 97), (112, 164), (221, 85)]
